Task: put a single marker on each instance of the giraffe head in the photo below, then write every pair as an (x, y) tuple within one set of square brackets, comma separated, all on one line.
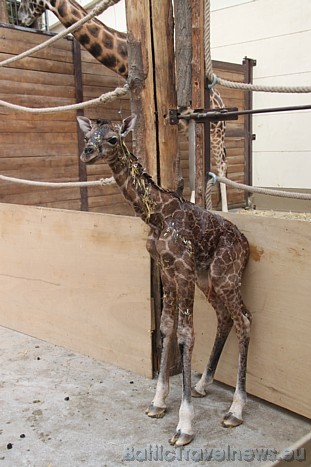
[(30, 10), (103, 139)]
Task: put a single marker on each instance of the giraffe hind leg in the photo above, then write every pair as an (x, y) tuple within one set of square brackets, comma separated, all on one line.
[(224, 325), (225, 277)]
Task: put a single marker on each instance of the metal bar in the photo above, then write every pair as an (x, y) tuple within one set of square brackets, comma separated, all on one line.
[(192, 157), (248, 97), (227, 114)]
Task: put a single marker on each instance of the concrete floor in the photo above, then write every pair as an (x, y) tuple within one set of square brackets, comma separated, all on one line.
[(62, 409)]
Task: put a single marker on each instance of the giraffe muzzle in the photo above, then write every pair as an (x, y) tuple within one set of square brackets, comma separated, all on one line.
[(89, 155)]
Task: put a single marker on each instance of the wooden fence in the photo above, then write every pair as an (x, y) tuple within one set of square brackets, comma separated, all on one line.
[(46, 146), (82, 280)]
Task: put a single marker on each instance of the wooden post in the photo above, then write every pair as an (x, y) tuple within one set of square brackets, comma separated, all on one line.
[(198, 79), (165, 89), (76, 50), (4, 17), (152, 83), (183, 51), (141, 82)]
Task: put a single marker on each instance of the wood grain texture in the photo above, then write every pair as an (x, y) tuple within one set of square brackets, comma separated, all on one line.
[(79, 280), (276, 289)]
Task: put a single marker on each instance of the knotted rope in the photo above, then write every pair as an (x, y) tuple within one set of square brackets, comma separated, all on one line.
[(22, 181)]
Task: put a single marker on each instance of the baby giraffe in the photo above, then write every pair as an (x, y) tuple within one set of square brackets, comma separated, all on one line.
[(192, 246)]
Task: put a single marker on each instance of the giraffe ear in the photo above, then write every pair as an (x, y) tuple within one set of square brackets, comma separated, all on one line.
[(85, 124), (128, 125)]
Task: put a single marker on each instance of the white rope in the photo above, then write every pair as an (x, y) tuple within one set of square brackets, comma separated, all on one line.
[(103, 99), (263, 191), (262, 88), (101, 182), (102, 6)]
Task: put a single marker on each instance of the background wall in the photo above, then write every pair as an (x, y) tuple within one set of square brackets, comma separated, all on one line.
[(276, 33)]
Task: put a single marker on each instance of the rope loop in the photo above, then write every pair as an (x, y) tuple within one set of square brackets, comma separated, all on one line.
[(214, 177), (214, 81)]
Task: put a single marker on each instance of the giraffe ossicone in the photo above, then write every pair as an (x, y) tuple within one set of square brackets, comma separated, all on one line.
[(192, 246)]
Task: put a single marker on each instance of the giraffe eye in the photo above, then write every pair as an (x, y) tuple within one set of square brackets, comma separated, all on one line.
[(113, 140)]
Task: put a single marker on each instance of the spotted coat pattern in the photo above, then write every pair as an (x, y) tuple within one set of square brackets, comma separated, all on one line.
[(192, 246), (107, 45)]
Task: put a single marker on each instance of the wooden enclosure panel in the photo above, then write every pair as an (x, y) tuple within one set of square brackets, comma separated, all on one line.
[(79, 280), (45, 146), (276, 289), (36, 146)]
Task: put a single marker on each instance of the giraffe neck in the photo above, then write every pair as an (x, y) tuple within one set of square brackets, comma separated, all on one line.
[(107, 45), (137, 186)]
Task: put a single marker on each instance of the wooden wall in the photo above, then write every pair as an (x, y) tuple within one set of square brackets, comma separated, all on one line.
[(79, 280), (276, 289), (82, 280), (45, 146)]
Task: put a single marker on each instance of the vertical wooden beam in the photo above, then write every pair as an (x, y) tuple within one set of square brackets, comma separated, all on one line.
[(141, 82), (4, 17), (198, 79), (183, 51), (165, 88), (77, 65)]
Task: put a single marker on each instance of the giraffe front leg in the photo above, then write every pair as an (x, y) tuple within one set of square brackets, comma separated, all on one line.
[(184, 432), (157, 407)]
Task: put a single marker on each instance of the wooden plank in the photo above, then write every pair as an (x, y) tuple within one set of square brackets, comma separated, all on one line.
[(37, 77), (37, 149), (30, 38), (7, 87), (166, 98), (35, 127), (49, 53), (142, 84), (198, 99), (30, 138), (276, 289), (37, 64), (94, 300)]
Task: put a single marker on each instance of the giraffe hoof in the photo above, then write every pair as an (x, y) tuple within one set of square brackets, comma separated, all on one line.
[(180, 439), (230, 421), (155, 412), (197, 394)]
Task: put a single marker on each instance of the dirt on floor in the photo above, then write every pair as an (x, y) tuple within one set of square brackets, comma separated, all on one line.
[(63, 409)]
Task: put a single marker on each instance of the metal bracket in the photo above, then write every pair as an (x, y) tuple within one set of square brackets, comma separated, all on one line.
[(201, 115)]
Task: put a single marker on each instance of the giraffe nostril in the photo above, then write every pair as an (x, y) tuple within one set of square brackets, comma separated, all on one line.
[(88, 151)]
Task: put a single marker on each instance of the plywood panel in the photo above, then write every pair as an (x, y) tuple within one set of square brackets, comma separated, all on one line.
[(80, 280), (276, 289)]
